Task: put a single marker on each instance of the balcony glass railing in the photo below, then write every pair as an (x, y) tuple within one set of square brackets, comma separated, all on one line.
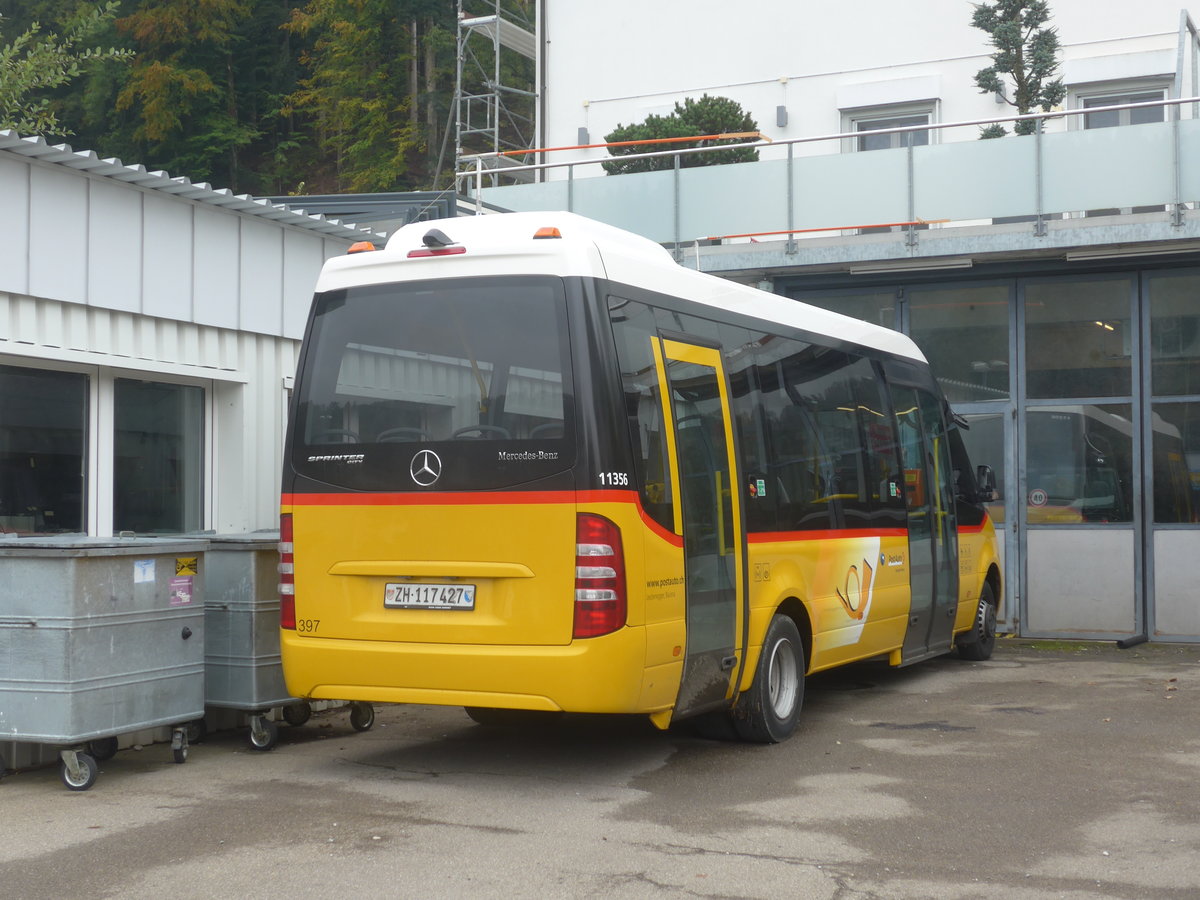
[(953, 180)]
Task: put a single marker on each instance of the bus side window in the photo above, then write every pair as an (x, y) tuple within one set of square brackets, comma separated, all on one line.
[(884, 473), (799, 456), (762, 493), (653, 475), (633, 330)]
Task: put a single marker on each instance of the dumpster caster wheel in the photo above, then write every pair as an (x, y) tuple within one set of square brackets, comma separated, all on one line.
[(264, 734), (78, 770), (197, 731), (296, 714), (103, 749), (179, 744), (362, 716)]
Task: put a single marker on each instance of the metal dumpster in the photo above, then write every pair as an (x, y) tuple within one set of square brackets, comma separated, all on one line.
[(241, 644), (98, 638)]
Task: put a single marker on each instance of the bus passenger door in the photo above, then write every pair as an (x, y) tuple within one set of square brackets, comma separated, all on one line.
[(932, 531), (709, 515)]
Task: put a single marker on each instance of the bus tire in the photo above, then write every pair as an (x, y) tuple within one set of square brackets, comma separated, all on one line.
[(768, 711), (978, 643)]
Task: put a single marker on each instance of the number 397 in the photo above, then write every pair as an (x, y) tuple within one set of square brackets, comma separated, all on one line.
[(614, 479), (307, 626)]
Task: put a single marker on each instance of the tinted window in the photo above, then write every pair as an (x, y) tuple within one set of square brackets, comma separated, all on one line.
[(814, 431), (836, 444), (43, 450), (633, 329), (478, 367), (1176, 446), (158, 457), (1079, 464)]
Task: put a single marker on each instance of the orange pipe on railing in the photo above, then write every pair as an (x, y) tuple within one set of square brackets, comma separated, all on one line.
[(666, 140), (754, 234)]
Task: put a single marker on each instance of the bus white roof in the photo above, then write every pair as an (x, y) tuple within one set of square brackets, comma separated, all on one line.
[(504, 244)]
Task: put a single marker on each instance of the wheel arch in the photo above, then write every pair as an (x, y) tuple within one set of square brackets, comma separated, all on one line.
[(794, 609), (993, 579)]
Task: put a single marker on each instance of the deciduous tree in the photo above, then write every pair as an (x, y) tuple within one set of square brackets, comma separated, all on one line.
[(183, 87), (36, 61)]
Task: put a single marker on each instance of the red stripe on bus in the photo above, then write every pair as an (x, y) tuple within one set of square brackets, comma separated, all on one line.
[(465, 498), (485, 498), (481, 498), (607, 496)]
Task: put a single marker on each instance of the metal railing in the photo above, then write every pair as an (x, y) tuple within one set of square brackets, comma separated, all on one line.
[(1130, 166)]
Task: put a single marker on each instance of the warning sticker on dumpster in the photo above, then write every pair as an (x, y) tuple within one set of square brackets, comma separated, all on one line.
[(186, 565), (143, 571), (181, 590)]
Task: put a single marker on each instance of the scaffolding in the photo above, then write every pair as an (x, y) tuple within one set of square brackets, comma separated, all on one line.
[(496, 86)]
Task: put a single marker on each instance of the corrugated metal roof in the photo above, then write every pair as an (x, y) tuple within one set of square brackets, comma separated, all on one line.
[(179, 185)]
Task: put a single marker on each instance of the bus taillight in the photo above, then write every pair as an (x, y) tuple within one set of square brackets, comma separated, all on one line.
[(599, 577), (287, 574)]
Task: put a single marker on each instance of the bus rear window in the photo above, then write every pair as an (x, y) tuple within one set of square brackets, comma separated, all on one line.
[(476, 369)]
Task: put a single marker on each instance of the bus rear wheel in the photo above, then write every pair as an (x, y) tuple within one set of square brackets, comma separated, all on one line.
[(767, 713), (980, 641)]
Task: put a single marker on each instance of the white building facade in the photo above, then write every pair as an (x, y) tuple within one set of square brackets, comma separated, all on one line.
[(805, 70), (1053, 280), (148, 331)]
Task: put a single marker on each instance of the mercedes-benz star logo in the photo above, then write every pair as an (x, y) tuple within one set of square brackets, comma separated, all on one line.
[(425, 468)]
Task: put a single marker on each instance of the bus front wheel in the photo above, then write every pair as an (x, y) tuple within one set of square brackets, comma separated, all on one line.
[(980, 641), (767, 713)]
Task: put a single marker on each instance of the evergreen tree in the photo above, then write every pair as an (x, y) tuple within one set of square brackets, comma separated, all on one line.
[(708, 115), (363, 91), (1026, 52)]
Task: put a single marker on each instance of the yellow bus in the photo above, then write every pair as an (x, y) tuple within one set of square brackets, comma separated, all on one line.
[(535, 465)]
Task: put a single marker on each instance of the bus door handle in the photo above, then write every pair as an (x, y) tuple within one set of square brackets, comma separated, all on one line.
[(728, 662)]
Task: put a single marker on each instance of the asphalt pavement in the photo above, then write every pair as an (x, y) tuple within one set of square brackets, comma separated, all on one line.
[(1051, 771)]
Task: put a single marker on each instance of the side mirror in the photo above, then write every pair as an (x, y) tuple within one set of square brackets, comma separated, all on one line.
[(985, 480)]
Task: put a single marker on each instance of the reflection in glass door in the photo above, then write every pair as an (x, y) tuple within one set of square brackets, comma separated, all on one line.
[(1080, 458), (966, 331), (1174, 453), (932, 533)]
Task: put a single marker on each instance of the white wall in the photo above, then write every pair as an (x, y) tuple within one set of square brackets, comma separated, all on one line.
[(617, 62), (242, 373), (119, 280), (74, 237)]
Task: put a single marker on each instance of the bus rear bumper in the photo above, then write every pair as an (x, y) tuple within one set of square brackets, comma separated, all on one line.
[(603, 675)]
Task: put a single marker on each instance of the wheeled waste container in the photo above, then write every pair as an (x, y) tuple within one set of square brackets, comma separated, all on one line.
[(99, 638), (241, 645)]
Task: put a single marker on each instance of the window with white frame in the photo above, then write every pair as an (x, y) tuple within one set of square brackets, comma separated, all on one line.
[(1120, 94), (88, 451), (872, 126)]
